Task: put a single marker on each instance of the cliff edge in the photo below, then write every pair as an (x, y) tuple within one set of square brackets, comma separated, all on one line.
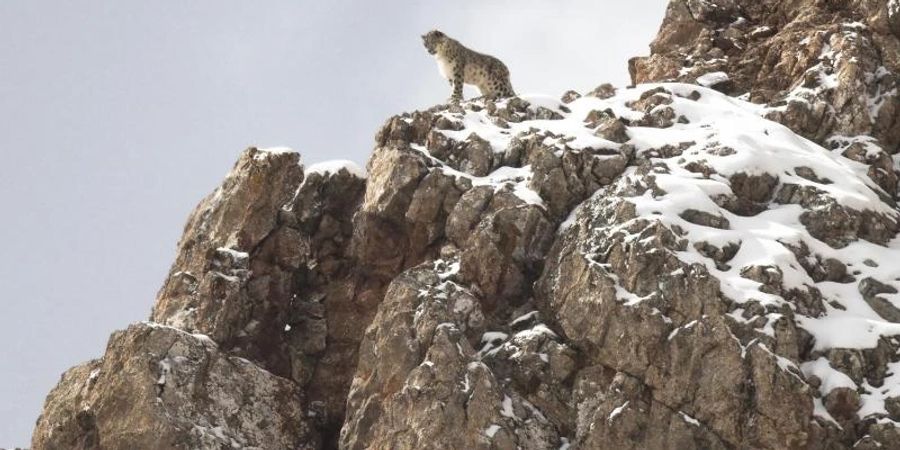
[(706, 259)]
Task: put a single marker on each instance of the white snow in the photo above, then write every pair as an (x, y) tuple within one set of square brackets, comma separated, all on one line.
[(516, 178), (877, 100), (204, 339), (615, 412), (326, 169), (831, 378), (446, 269), (820, 411), (447, 325), (489, 342), (506, 409), (689, 419), (686, 326), (93, 376), (491, 336), (757, 146), (333, 167), (276, 150), (492, 430), (874, 397), (759, 30), (578, 137), (730, 136), (827, 78), (712, 79), (523, 318), (267, 152), (570, 220), (761, 147), (534, 331), (235, 254), (854, 25)]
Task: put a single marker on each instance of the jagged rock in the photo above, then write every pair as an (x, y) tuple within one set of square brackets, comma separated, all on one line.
[(870, 290), (417, 366), (751, 194), (828, 69), (842, 403), (570, 96), (648, 267), (514, 237), (704, 218), (161, 388), (215, 287), (264, 266), (605, 90), (612, 130), (881, 165), (634, 328)]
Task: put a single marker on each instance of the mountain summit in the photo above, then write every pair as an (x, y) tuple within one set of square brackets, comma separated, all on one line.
[(707, 259)]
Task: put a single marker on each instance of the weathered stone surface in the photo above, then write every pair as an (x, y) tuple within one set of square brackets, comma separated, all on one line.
[(608, 271), (264, 268), (158, 387), (828, 69), (870, 290), (419, 383), (670, 336)]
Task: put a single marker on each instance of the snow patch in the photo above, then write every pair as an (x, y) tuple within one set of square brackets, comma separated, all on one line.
[(689, 419), (333, 167), (276, 150), (506, 408), (712, 79), (831, 378), (523, 318), (615, 412)]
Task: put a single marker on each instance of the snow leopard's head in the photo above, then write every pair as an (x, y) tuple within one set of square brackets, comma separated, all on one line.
[(433, 40)]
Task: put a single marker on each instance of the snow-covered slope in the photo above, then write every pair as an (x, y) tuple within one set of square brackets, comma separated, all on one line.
[(659, 258), (651, 267), (726, 138), (685, 182)]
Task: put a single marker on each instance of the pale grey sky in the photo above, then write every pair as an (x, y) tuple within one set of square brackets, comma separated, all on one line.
[(117, 116)]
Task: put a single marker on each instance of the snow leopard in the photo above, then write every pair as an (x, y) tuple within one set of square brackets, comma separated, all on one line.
[(461, 65)]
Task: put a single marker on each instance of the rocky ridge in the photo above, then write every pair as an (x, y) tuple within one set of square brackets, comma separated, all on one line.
[(828, 69), (662, 266)]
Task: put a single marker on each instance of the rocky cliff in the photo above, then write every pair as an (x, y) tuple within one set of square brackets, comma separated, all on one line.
[(704, 260)]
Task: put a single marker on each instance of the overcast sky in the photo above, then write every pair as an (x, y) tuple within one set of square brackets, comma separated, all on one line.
[(117, 116)]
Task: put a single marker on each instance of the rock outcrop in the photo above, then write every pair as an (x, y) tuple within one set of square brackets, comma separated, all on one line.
[(827, 69), (158, 387), (704, 260)]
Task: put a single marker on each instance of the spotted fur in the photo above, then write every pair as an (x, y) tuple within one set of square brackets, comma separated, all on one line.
[(461, 65)]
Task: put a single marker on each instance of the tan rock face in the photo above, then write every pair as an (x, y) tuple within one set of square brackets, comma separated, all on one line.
[(162, 388), (689, 381), (655, 267), (829, 70)]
